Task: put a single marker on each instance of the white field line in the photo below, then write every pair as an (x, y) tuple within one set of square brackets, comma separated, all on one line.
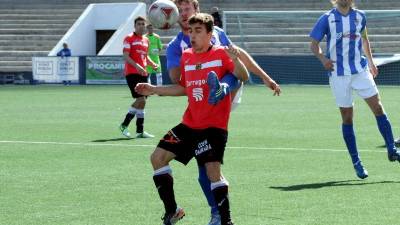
[(153, 146)]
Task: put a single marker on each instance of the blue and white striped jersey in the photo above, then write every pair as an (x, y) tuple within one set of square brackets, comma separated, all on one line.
[(344, 40), (182, 42)]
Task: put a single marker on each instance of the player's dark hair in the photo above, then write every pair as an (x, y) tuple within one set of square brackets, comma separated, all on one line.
[(140, 18), (194, 2), (203, 18)]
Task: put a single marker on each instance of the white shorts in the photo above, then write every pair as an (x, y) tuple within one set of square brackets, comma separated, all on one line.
[(342, 87), (238, 98)]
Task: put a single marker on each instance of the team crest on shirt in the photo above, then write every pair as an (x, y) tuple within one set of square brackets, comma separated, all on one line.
[(198, 94), (198, 66)]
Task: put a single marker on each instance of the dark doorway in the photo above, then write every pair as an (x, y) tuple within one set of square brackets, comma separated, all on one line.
[(102, 36)]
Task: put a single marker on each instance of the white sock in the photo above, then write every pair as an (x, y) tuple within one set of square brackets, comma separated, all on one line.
[(132, 110), (159, 79), (163, 170)]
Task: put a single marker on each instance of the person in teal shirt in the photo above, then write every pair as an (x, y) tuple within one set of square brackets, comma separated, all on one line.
[(155, 47)]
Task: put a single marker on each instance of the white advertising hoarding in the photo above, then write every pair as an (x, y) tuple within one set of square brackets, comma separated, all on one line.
[(55, 69)]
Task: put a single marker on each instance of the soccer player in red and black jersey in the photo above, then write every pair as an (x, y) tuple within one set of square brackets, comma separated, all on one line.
[(203, 131), (136, 60)]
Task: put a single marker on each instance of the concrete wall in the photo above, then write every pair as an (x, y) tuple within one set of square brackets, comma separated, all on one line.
[(81, 37)]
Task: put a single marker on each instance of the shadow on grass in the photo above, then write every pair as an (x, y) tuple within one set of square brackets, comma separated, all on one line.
[(342, 183), (396, 143), (113, 139)]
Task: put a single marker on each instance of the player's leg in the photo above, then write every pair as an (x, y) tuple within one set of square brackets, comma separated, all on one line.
[(341, 89), (162, 177), (131, 81), (159, 79), (366, 88), (205, 185), (397, 142), (210, 153), (171, 146), (140, 104), (350, 140), (164, 183), (219, 89), (237, 96), (153, 74), (128, 118), (219, 187), (384, 126)]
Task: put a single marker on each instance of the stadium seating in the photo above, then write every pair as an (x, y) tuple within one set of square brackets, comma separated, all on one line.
[(32, 27), (284, 35), (262, 35), (260, 5)]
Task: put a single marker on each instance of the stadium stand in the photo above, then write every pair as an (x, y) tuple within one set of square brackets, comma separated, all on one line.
[(263, 5), (32, 27), (261, 34), (275, 34)]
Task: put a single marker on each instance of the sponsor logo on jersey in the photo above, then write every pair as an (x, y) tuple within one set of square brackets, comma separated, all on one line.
[(202, 147), (197, 94)]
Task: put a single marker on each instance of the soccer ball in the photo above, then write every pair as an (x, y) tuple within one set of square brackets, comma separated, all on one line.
[(163, 14)]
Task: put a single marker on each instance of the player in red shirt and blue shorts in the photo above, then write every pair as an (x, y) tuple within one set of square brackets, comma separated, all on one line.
[(203, 131), (136, 60)]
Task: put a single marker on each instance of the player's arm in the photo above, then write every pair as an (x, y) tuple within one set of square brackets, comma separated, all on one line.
[(240, 70), (253, 67), (317, 34), (174, 54), (317, 51), (152, 64), (368, 53), (170, 90), (233, 52), (251, 64), (174, 74), (129, 60)]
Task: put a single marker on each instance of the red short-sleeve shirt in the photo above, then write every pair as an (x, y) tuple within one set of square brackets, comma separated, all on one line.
[(136, 46), (194, 69)]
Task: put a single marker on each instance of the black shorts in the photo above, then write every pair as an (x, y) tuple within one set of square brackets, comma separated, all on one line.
[(206, 145), (132, 80)]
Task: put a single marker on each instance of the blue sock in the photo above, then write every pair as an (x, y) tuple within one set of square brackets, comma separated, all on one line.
[(386, 130), (350, 139), (231, 81), (206, 187)]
